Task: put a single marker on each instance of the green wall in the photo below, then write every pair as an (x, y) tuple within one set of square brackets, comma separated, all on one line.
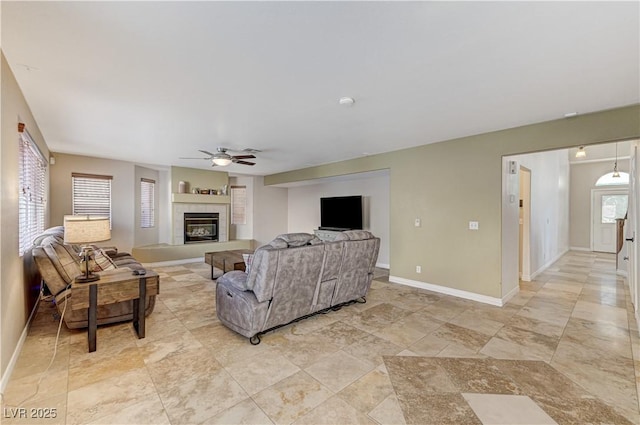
[(202, 179), (450, 183)]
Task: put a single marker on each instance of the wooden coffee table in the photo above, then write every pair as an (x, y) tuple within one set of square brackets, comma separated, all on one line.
[(226, 260)]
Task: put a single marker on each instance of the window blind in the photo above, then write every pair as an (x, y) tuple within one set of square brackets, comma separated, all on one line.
[(238, 205), (32, 198), (91, 195), (147, 210)]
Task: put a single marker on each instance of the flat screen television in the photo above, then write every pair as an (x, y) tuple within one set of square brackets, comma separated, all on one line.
[(341, 213)]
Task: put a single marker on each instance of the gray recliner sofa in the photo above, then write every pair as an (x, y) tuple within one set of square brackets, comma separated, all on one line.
[(294, 276)]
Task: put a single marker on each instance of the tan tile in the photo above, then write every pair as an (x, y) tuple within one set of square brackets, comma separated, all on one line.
[(601, 313), (334, 411), (420, 375), (477, 376), (369, 391), (47, 411), (92, 369), (202, 397), (158, 349), (266, 368), (507, 409), (338, 370), (441, 409), (36, 387), (475, 321), (292, 398), (146, 411), (181, 367), (371, 349), (388, 412), (302, 349), (468, 338), (105, 397), (246, 412)]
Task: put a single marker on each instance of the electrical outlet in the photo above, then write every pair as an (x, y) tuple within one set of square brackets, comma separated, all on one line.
[(417, 223), (418, 269), (473, 225)]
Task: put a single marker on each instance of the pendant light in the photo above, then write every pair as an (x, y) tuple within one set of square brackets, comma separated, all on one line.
[(581, 153), (615, 164)]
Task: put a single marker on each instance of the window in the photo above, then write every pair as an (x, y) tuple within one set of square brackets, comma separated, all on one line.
[(609, 180), (613, 206), (238, 205), (32, 202), (147, 210), (91, 195)]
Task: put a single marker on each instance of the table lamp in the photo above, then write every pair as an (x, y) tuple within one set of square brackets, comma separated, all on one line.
[(85, 229)]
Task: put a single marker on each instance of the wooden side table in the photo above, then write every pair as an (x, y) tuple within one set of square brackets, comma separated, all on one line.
[(115, 286)]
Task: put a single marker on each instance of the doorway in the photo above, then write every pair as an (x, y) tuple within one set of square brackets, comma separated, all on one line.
[(606, 206), (524, 220)]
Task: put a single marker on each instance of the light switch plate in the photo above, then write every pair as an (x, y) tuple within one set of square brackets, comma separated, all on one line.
[(473, 225)]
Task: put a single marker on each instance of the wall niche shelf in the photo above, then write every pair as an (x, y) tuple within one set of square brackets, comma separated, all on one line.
[(191, 198)]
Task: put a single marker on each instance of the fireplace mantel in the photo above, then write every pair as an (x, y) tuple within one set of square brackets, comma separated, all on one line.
[(191, 198)]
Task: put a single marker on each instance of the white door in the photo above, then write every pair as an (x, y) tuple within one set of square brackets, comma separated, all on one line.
[(608, 204)]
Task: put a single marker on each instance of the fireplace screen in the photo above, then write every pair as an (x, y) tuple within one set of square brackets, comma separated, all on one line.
[(200, 227)]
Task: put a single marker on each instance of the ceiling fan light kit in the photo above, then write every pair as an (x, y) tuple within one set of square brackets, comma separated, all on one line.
[(221, 158)]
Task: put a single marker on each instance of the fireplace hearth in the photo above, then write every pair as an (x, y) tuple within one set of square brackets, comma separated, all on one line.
[(201, 227)]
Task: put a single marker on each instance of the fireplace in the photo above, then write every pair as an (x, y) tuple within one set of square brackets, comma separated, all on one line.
[(200, 227)]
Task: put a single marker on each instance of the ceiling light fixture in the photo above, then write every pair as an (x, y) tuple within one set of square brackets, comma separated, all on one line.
[(222, 161), (347, 101), (570, 114), (615, 164), (581, 153)]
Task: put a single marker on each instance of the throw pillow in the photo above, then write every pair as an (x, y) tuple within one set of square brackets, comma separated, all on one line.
[(248, 259), (102, 261)]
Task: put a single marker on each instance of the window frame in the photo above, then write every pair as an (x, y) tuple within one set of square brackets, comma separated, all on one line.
[(148, 218), (98, 185), (32, 190), (236, 208)]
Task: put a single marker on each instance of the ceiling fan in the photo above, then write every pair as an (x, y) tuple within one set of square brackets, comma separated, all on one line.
[(222, 158)]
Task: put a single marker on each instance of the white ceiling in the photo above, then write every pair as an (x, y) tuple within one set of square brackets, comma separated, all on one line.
[(153, 81)]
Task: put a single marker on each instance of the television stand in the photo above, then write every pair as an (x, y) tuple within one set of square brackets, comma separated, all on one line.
[(326, 234)]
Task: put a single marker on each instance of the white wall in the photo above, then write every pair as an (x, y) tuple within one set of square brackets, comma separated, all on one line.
[(269, 211), (549, 213), (304, 205)]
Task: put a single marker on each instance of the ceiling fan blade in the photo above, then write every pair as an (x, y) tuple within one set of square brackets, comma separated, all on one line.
[(206, 152), (243, 156), (244, 162)]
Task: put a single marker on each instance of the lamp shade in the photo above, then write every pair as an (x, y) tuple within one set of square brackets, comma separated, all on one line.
[(79, 229)]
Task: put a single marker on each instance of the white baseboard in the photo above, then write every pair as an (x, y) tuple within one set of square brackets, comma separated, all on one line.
[(579, 248), (382, 266), (525, 278), (174, 262), (4, 381), (448, 291), (547, 265), (511, 294)]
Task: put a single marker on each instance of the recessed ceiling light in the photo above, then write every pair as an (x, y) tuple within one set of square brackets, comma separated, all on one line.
[(348, 101), (570, 114)]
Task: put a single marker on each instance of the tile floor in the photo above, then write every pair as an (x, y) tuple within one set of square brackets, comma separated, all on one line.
[(564, 350)]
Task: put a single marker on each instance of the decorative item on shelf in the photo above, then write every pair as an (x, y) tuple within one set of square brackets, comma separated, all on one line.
[(195, 190), (86, 229), (213, 192), (204, 191), (182, 187), (224, 190)]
